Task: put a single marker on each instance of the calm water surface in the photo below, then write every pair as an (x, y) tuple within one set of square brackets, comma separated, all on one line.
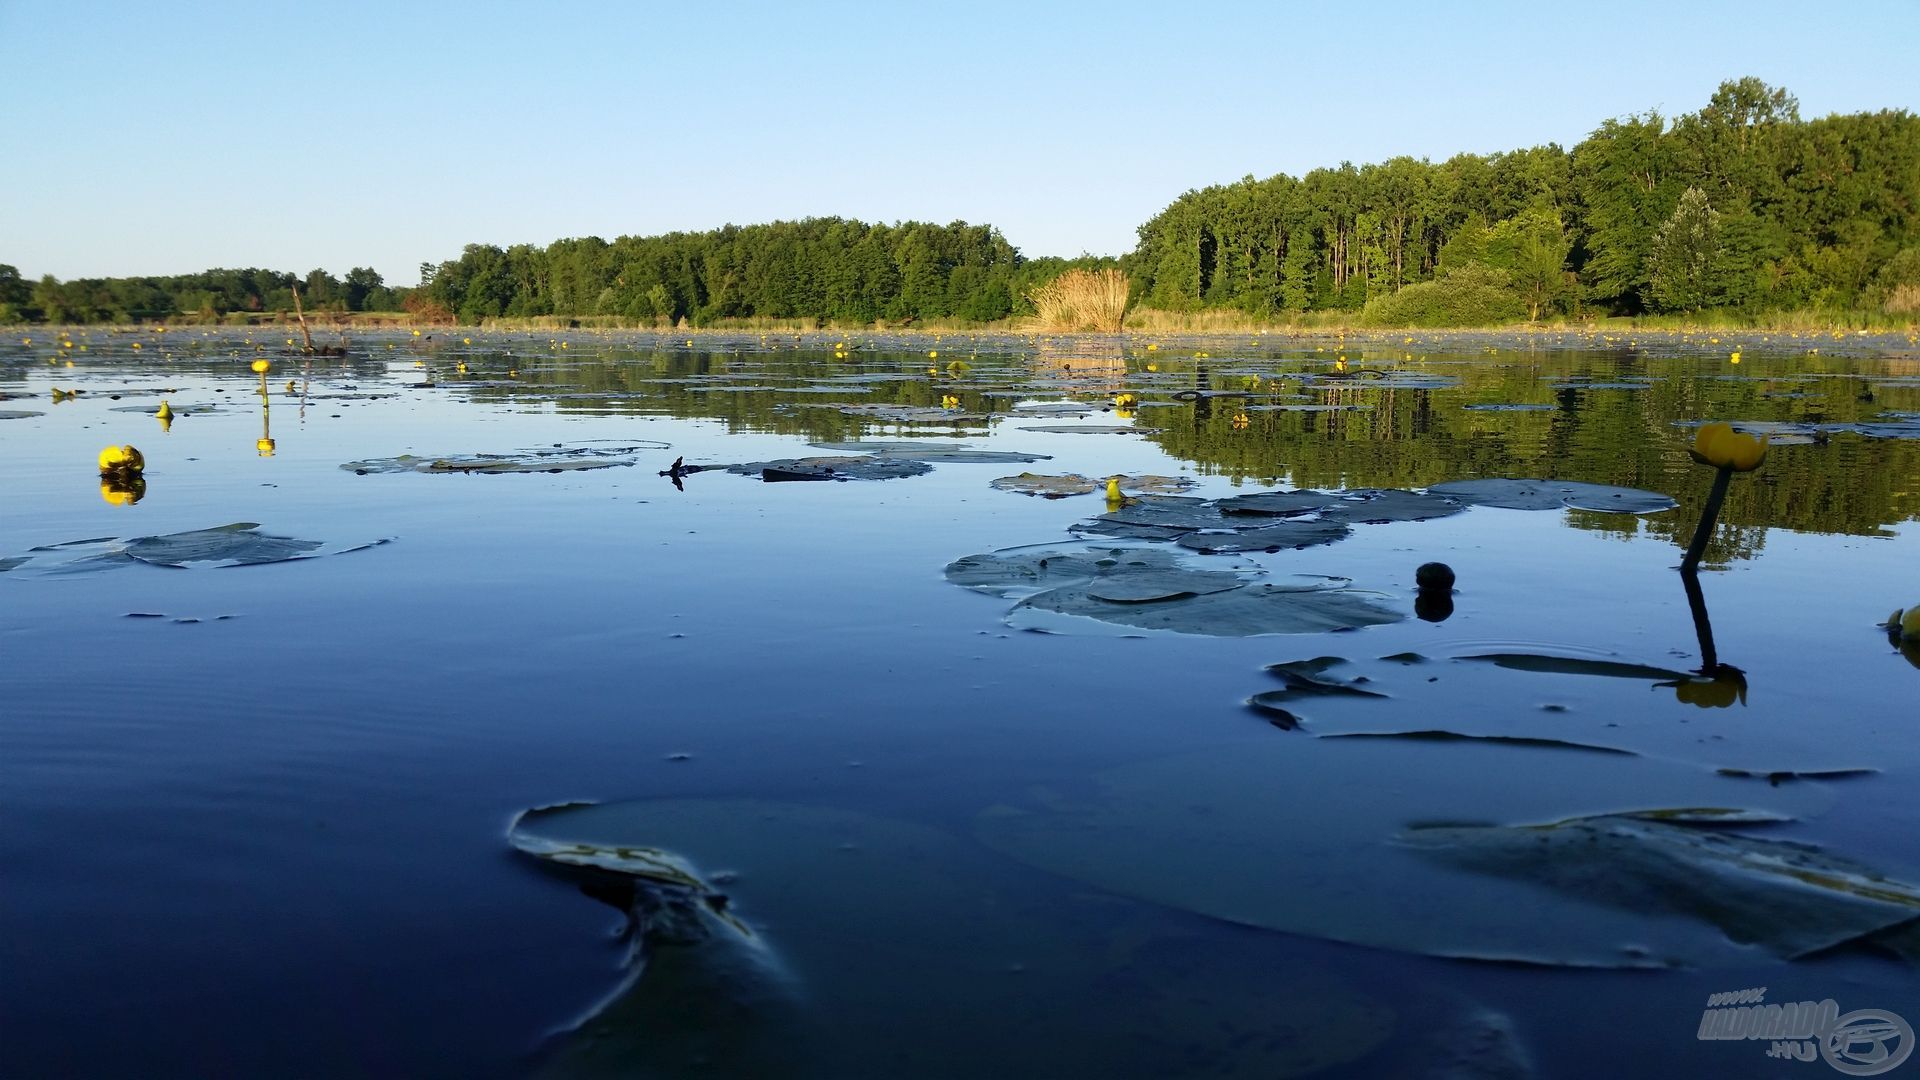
[(254, 819)]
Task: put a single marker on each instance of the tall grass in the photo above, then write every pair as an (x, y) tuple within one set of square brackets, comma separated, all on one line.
[(1081, 300)]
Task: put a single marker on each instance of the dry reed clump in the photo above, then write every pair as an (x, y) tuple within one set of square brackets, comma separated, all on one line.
[(1082, 300), (1903, 300)]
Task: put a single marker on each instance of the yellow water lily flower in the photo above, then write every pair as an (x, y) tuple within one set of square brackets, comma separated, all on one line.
[(121, 459), (261, 366), (1717, 444), (166, 411)]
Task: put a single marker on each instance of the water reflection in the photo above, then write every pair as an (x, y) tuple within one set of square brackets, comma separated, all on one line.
[(1715, 685)]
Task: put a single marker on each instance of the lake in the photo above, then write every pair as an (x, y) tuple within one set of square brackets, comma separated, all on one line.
[(879, 809)]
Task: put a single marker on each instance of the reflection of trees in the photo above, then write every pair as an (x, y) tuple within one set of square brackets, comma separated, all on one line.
[(1405, 437)]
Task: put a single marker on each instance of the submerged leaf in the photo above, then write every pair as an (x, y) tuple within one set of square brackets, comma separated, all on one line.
[(1208, 833), (1786, 898), (774, 939)]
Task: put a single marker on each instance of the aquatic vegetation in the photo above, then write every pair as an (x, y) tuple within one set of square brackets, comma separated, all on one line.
[(1553, 495), (121, 461), (1728, 452), (238, 544), (1205, 831), (1060, 487), (1067, 589), (752, 937), (540, 460)]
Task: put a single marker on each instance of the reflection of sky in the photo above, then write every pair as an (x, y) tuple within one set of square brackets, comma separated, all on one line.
[(368, 721)]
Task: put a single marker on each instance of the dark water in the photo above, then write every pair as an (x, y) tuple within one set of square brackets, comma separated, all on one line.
[(264, 833)]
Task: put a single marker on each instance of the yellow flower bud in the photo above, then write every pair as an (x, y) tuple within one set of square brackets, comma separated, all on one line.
[(1717, 444), (261, 366), (121, 459), (1910, 624)]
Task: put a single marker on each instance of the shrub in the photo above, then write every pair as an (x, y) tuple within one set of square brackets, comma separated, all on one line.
[(1470, 295)]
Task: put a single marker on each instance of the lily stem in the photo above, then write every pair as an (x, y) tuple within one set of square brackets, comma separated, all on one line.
[(1708, 518)]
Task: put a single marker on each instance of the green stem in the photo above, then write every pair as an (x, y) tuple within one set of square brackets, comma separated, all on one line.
[(1708, 518)]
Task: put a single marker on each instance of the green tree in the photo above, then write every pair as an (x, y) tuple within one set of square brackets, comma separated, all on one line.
[(1684, 259)]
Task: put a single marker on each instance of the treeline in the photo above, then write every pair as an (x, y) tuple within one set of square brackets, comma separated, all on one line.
[(1740, 206), (210, 295), (819, 268)]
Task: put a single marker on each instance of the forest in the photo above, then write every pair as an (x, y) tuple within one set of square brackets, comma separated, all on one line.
[(1740, 207)]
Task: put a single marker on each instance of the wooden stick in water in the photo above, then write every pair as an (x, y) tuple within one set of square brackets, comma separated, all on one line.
[(302, 316)]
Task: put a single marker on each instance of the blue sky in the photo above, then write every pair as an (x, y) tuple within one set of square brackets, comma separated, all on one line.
[(163, 138)]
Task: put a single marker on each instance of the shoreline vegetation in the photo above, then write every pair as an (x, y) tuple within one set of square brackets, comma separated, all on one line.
[(1738, 216)]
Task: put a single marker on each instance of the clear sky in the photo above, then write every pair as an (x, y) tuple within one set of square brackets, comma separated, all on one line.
[(153, 138)]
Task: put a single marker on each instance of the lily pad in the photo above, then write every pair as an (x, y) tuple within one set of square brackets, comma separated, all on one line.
[(1279, 503), (1164, 511), (1380, 506), (1354, 825), (238, 544), (772, 939), (1553, 495), (962, 456), (1439, 736), (1023, 571), (1088, 429), (1309, 677), (845, 467), (1046, 487), (18, 414), (541, 460), (1247, 611), (1576, 665), (1279, 536), (1510, 406)]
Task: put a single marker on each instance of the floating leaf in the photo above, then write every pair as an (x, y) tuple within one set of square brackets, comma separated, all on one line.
[(1259, 608), (1307, 677), (238, 544), (1510, 406), (1553, 495), (1088, 429), (1047, 487), (962, 456), (1380, 506), (1435, 735), (541, 460), (1283, 535), (1209, 832), (1575, 665), (1779, 776), (773, 939), (18, 414), (1279, 503), (848, 467)]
